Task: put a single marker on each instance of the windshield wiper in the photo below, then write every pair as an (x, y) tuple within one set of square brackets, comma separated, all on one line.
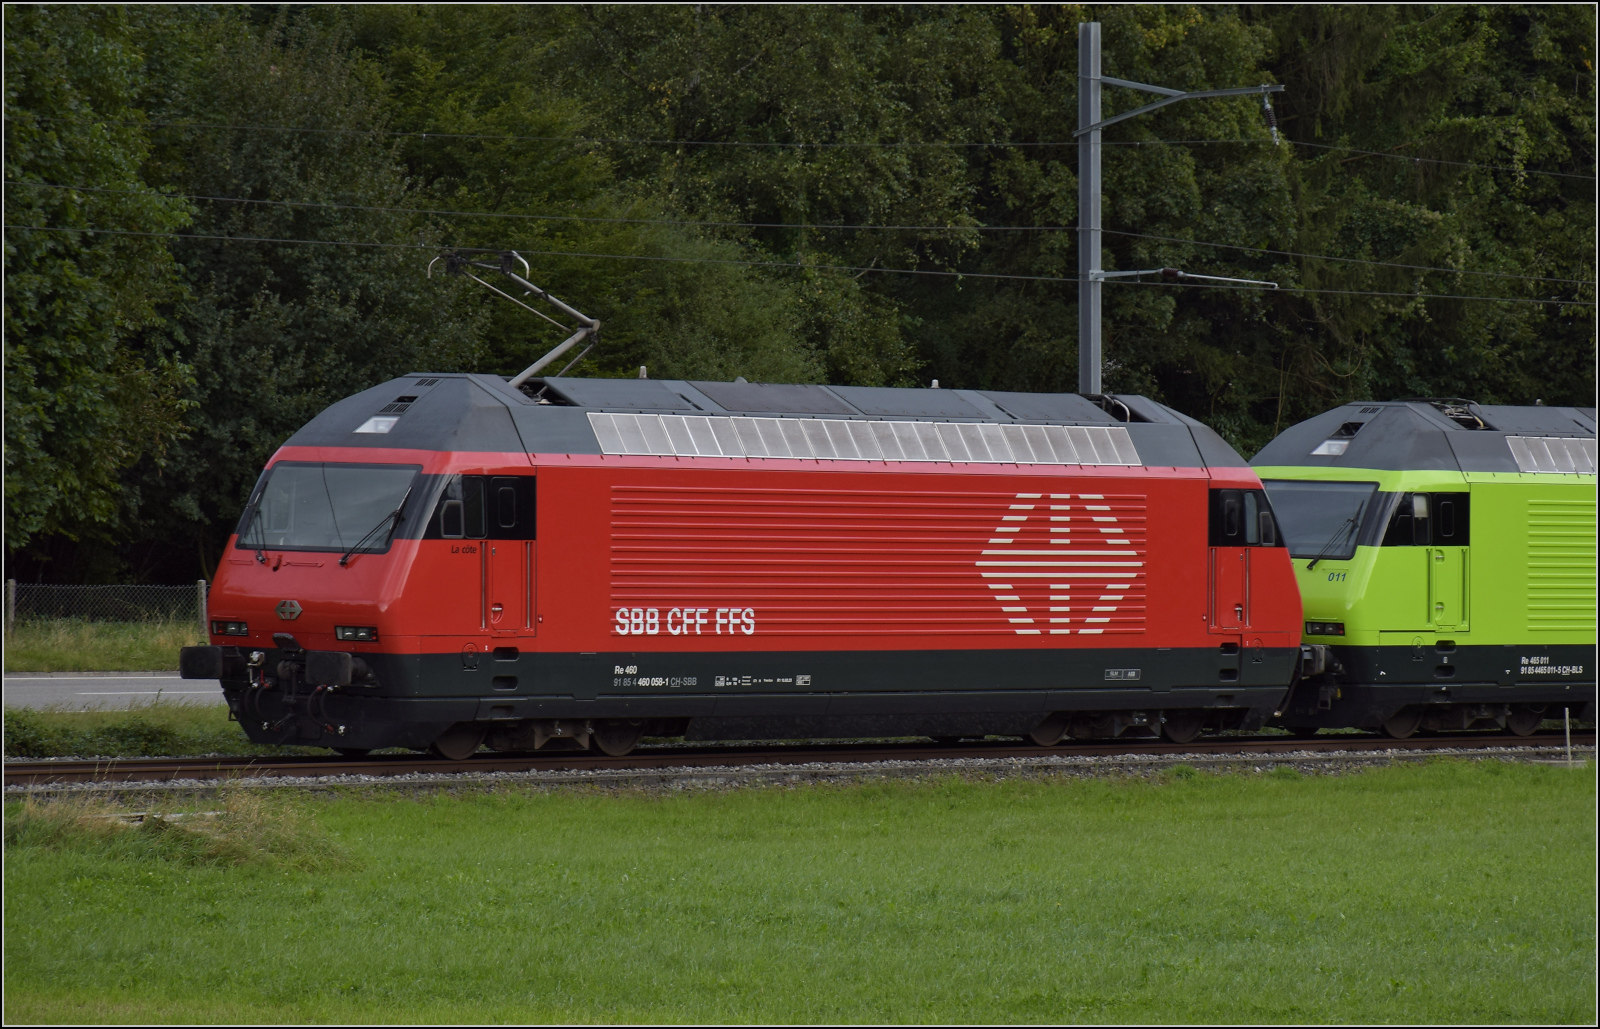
[(1349, 526), (392, 518), (254, 528)]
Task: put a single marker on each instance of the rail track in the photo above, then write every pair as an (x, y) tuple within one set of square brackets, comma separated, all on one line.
[(52, 772)]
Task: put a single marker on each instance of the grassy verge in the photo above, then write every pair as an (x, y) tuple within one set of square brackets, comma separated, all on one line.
[(1444, 892), (157, 729), (75, 645), (244, 828)]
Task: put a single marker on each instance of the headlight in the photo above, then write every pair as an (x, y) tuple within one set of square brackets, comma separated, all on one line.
[(1324, 628), (230, 629), (356, 633)]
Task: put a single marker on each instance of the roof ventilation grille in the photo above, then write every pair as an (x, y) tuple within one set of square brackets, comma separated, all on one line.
[(427, 382), (399, 406)]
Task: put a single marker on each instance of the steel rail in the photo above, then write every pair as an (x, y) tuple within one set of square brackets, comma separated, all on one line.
[(48, 772)]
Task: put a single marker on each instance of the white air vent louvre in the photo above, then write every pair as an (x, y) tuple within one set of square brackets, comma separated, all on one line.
[(671, 435), (1562, 455)]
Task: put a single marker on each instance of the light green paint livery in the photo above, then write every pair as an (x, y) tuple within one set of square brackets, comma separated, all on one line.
[(1526, 577)]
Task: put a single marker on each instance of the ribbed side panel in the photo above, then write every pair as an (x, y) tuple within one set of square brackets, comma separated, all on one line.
[(1561, 565), (872, 563)]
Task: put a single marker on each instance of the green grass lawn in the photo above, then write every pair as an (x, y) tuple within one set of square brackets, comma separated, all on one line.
[(155, 729), (75, 645), (1444, 892)]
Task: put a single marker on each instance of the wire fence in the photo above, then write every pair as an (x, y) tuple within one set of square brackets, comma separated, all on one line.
[(41, 602)]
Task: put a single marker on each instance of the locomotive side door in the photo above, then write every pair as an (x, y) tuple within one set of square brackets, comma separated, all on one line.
[(510, 555), (1229, 573), (1447, 562), (459, 519), (1437, 529)]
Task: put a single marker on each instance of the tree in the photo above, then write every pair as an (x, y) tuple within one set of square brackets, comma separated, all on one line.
[(498, 139), (276, 331), (92, 380)]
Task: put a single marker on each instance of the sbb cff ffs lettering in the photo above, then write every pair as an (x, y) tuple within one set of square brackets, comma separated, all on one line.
[(686, 621)]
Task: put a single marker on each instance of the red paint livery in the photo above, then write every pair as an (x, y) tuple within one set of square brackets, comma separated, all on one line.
[(750, 595)]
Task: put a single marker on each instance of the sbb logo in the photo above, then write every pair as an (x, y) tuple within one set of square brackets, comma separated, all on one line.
[(682, 621)]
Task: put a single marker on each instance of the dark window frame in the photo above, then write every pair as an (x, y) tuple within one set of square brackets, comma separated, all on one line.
[(1430, 518), (478, 501), (1242, 518)]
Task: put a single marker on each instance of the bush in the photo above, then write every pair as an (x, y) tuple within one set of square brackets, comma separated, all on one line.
[(249, 829)]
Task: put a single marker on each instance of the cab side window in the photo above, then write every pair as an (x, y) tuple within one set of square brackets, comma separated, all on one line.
[(476, 507), (1242, 518), (1430, 520), (511, 507), (459, 513)]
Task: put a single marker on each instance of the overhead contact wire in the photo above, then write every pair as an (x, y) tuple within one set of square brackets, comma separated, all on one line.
[(786, 225), (788, 265)]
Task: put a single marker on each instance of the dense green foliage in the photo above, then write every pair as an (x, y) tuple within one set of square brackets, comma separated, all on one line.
[(89, 377), (774, 192), (1445, 893)]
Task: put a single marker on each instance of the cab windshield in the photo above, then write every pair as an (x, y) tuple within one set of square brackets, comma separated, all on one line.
[(325, 506), (1320, 519)]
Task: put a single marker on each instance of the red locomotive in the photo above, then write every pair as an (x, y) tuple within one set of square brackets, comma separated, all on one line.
[(450, 560)]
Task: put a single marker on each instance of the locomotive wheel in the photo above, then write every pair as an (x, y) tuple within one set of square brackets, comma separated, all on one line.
[(616, 738), (1402, 724), (352, 752), (1524, 721), (458, 742), (1049, 732), (1182, 726)]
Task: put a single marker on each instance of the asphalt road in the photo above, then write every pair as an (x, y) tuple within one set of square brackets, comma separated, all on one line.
[(106, 692)]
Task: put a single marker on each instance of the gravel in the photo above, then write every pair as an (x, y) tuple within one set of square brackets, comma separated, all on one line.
[(685, 778)]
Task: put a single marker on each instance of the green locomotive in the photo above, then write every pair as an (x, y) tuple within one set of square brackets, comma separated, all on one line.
[(1445, 553)]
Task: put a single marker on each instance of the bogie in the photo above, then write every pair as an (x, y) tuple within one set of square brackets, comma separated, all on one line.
[(1402, 724), (458, 742), (1524, 719), (1182, 726)]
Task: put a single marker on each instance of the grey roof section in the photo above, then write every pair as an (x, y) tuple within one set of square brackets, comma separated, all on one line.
[(1069, 408), (774, 398), (458, 412), (1417, 436), (1213, 450), (887, 402), (1540, 421), (622, 394)]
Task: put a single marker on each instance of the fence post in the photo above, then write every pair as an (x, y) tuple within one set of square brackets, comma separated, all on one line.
[(200, 605), (11, 604)]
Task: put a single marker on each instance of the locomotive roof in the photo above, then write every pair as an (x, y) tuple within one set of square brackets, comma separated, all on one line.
[(1439, 435), (482, 413)]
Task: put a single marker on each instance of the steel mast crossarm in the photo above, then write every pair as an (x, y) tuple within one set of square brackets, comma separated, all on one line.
[(1179, 275), (1091, 273), (1172, 97)]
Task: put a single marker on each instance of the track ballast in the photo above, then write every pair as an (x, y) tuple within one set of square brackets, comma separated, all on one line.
[(51, 772)]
